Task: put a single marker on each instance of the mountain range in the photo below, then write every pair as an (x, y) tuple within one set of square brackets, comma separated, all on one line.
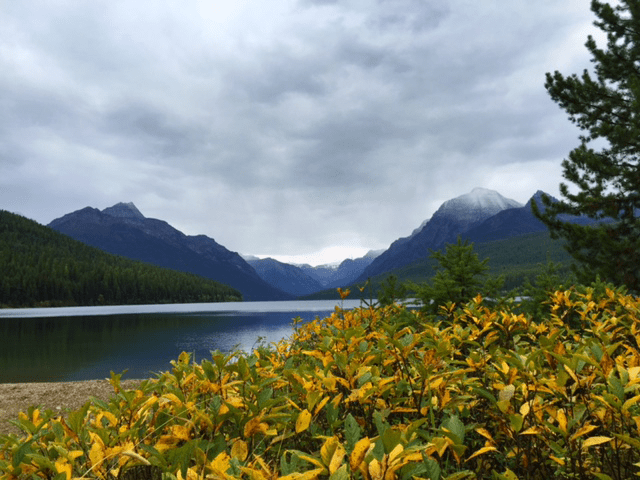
[(453, 218), (480, 216), (124, 230), (305, 279)]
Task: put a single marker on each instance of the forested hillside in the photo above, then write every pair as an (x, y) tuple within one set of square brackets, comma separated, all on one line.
[(516, 259), (40, 267)]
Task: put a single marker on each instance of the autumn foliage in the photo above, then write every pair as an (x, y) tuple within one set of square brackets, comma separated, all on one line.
[(375, 393)]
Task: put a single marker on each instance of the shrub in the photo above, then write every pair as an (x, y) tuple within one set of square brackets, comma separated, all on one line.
[(375, 393)]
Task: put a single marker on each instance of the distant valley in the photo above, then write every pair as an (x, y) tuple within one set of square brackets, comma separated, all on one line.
[(302, 280)]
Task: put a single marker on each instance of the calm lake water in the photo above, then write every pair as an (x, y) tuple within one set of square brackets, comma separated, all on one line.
[(82, 343)]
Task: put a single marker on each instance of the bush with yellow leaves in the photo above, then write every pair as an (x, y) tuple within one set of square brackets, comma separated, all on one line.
[(376, 393)]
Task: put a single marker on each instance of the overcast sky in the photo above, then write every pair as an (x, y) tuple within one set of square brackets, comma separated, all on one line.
[(285, 127)]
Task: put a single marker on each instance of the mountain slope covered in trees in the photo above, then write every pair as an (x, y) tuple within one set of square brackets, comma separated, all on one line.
[(41, 267)]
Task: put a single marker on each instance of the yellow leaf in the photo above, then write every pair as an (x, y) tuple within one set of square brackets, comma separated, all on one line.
[(171, 397), (629, 403), (220, 464), (310, 459), (235, 402), (96, 454), (485, 433), (255, 425), (321, 405), (310, 475), (191, 474), (63, 466), (336, 459), (359, 451), (375, 470), (328, 449), (240, 450), (559, 461), (524, 409), (482, 451), (253, 474), (592, 441), (180, 432), (109, 416), (344, 293), (572, 374), (303, 421), (582, 431), (532, 431), (166, 442), (73, 454), (562, 420), (398, 449)]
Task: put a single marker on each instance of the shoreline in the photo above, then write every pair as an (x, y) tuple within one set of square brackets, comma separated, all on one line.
[(57, 396)]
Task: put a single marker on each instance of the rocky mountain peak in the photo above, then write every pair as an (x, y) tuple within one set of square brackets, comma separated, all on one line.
[(123, 210), (476, 205)]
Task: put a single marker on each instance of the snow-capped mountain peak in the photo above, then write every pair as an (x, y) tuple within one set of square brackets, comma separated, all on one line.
[(472, 207), (478, 204)]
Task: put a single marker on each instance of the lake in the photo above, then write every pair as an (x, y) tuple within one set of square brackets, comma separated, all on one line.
[(84, 343)]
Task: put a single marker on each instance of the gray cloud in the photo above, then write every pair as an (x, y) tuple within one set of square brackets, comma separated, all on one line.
[(284, 128)]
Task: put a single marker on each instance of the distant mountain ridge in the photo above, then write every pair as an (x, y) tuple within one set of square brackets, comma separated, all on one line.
[(288, 278), (480, 216), (305, 279), (453, 218), (123, 230), (348, 271)]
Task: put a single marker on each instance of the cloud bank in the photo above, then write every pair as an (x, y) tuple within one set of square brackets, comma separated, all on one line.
[(282, 128)]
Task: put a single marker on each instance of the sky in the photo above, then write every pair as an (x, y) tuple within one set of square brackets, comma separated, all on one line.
[(305, 130)]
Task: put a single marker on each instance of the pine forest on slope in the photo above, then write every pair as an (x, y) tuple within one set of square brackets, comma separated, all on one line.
[(41, 267)]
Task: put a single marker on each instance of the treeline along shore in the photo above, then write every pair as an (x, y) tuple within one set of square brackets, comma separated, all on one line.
[(40, 267)]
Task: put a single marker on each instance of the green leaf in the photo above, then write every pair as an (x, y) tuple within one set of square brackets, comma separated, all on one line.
[(484, 393), (291, 466), (340, 474), (378, 451), (507, 475), (352, 432), (18, 456), (432, 468), (380, 423), (76, 418), (455, 426), (516, 422), (602, 476), (615, 386), (462, 475), (391, 439), (264, 396)]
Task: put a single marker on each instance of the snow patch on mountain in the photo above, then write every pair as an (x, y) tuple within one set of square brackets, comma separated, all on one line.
[(480, 201), (470, 208)]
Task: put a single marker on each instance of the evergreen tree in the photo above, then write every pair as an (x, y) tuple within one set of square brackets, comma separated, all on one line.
[(605, 167), (460, 276)]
